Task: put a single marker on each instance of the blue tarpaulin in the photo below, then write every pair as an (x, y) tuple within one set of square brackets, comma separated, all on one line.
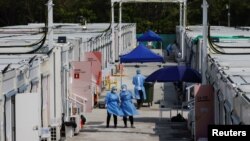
[(141, 54), (149, 36)]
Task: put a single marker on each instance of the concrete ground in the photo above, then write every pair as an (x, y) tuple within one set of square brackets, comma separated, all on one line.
[(149, 127)]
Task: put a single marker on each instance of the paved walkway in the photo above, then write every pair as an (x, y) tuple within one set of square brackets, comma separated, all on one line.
[(149, 127)]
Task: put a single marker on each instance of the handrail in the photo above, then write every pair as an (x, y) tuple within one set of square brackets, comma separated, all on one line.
[(170, 108), (83, 98), (188, 91), (74, 97), (188, 102), (70, 98)]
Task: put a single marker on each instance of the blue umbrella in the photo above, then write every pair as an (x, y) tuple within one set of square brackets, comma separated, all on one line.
[(175, 74)]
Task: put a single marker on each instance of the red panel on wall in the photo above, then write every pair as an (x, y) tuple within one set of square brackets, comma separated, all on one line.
[(204, 109), (96, 64), (81, 82)]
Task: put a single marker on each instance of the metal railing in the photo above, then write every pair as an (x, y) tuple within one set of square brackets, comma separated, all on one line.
[(189, 104), (75, 98)]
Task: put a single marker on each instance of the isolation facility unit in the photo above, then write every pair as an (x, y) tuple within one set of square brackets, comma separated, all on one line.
[(21, 82), (227, 71), (43, 79)]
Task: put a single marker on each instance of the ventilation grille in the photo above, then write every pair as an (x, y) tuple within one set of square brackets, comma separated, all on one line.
[(53, 134)]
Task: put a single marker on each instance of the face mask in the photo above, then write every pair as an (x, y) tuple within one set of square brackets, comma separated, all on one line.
[(114, 91), (123, 89)]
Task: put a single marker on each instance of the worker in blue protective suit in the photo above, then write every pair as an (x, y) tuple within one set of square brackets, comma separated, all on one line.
[(113, 108), (127, 106), (140, 94)]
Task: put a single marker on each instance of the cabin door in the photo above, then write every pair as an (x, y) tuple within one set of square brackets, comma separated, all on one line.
[(27, 117)]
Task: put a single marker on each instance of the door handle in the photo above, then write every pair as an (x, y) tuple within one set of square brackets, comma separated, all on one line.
[(35, 127)]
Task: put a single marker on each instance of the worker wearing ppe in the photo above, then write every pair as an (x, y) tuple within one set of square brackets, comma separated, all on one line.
[(113, 108), (140, 94), (127, 106)]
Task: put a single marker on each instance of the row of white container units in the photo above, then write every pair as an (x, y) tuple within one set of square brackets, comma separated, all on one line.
[(35, 91), (93, 37), (230, 77), (229, 37), (37, 88), (227, 73), (31, 99), (227, 76)]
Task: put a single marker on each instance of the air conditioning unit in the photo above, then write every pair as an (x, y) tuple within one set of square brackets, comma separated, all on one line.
[(55, 133), (45, 134)]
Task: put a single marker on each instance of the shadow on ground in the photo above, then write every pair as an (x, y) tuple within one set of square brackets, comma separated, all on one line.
[(172, 131), (167, 130), (164, 128)]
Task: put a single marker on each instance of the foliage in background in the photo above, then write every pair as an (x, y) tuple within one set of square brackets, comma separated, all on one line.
[(160, 17)]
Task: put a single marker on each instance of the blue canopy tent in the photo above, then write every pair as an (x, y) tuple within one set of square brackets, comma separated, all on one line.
[(141, 54), (149, 36)]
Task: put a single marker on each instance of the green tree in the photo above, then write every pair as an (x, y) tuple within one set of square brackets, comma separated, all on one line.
[(160, 17)]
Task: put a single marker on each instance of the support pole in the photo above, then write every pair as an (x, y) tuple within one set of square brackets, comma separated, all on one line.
[(121, 73), (50, 23), (228, 13), (204, 45), (180, 20), (112, 33), (180, 26), (120, 28), (2, 122), (120, 48), (183, 30)]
